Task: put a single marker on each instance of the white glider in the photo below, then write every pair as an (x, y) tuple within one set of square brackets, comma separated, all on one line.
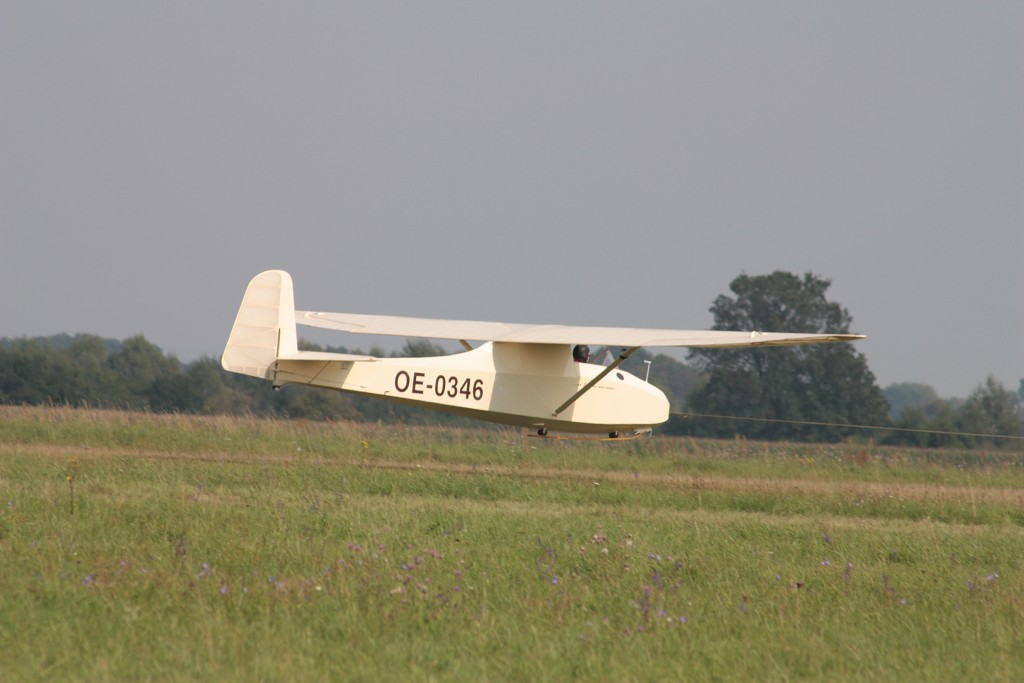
[(521, 375)]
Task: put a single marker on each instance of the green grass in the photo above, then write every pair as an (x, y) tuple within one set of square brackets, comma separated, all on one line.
[(144, 547)]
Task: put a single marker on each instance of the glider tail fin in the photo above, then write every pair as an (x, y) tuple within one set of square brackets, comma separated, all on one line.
[(264, 328)]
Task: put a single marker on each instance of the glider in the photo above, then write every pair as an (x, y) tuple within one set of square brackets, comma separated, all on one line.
[(521, 374)]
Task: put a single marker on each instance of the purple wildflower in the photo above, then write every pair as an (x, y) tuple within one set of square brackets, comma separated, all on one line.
[(224, 590), (204, 570), (903, 601), (554, 580), (645, 602), (826, 563), (88, 580)]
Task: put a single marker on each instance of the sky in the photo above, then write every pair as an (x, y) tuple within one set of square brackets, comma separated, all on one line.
[(592, 163)]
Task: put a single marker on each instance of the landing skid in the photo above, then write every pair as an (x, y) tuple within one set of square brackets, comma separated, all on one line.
[(614, 436)]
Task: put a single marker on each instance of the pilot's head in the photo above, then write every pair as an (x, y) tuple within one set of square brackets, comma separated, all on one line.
[(581, 353)]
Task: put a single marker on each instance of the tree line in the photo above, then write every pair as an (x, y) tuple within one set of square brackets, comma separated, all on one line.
[(134, 374), (782, 393)]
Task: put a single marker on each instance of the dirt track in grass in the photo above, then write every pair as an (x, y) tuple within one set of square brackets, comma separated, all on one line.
[(816, 487)]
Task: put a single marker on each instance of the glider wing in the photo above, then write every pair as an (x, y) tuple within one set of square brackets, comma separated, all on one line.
[(554, 334)]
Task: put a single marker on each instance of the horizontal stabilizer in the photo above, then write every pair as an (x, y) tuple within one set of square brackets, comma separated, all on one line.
[(326, 356)]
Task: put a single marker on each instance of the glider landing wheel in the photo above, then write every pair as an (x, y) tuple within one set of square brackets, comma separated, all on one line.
[(613, 435), (542, 432)]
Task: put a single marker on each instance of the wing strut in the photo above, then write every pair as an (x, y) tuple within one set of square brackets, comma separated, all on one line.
[(626, 353)]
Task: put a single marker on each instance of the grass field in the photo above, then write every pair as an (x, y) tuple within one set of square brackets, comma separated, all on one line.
[(146, 547)]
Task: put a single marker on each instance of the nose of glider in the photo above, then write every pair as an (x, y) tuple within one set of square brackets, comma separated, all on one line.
[(646, 405), (624, 402)]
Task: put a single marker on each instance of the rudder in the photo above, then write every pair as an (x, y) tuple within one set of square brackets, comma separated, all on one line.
[(264, 328)]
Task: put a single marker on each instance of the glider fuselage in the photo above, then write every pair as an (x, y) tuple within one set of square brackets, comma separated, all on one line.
[(503, 382)]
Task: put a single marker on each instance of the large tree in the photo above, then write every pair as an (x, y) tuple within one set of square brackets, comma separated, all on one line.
[(817, 383), (990, 410)]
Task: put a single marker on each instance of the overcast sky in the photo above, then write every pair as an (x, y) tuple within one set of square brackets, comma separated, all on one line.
[(575, 162)]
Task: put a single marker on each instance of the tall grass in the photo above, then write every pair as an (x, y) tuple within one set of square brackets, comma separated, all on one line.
[(244, 549)]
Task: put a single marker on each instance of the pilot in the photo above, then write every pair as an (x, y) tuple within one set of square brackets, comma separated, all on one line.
[(581, 353)]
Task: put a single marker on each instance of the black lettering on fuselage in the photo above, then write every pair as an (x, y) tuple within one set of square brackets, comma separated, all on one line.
[(402, 381), (442, 386)]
